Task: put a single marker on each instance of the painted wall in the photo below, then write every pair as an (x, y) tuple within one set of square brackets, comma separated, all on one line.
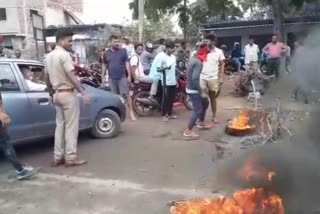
[(11, 25)]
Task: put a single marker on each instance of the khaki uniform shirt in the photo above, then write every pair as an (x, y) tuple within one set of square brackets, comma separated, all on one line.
[(58, 64)]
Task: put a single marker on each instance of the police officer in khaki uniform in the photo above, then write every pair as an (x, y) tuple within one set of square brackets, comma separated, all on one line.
[(64, 86)]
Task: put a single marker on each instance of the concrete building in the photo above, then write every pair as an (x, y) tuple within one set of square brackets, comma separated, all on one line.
[(23, 22), (261, 30)]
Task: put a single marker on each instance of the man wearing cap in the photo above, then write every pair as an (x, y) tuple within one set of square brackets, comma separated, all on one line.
[(146, 58)]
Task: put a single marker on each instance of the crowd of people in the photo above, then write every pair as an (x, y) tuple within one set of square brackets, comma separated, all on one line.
[(125, 64)]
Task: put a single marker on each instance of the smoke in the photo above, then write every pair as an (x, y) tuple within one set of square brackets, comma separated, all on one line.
[(296, 163), (297, 173), (305, 64)]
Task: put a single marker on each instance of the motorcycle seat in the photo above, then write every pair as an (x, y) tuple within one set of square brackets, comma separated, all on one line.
[(143, 85)]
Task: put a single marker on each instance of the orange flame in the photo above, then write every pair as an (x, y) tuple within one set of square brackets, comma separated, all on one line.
[(254, 171), (241, 122), (250, 201)]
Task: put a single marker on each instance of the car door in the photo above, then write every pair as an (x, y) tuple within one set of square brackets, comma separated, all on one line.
[(85, 112), (42, 108), (16, 103)]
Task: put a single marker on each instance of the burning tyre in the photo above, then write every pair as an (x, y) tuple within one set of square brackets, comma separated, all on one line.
[(240, 126)]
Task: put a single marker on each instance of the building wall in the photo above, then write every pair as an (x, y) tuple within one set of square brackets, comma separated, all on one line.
[(11, 25), (55, 15), (74, 5)]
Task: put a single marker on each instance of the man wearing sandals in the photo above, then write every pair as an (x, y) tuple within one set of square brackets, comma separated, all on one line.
[(198, 98), (212, 74)]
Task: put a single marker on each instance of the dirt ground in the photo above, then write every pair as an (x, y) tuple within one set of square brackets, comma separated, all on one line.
[(140, 171)]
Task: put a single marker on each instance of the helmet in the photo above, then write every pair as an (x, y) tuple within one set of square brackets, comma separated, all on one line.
[(149, 45)]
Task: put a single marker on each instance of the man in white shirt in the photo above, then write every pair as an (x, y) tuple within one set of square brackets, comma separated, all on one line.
[(28, 76), (128, 46), (137, 67), (251, 52), (212, 73)]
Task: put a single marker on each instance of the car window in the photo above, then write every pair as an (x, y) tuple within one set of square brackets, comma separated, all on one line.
[(8, 81), (34, 77)]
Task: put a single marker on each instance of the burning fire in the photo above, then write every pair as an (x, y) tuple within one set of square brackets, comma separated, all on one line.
[(254, 171), (249, 201), (241, 122)]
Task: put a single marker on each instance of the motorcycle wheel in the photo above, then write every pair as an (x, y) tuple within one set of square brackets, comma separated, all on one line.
[(140, 109), (187, 101)]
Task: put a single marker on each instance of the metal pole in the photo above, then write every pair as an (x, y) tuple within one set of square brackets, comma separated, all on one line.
[(185, 20), (141, 19)]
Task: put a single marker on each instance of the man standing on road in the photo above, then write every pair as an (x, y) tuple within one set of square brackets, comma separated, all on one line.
[(63, 84), (116, 64), (161, 47), (251, 52), (199, 99), (128, 46), (166, 64), (212, 74), (274, 50), (136, 67), (23, 172), (182, 57), (146, 58)]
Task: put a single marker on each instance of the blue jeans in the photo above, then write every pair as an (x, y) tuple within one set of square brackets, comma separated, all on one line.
[(8, 150), (238, 63), (200, 106)]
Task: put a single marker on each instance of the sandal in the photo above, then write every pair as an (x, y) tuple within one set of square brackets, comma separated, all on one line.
[(215, 121), (190, 135), (205, 126)]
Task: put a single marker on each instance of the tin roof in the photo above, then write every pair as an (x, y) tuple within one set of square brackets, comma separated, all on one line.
[(258, 23)]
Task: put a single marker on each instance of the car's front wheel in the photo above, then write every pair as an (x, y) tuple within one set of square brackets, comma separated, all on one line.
[(107, 125)]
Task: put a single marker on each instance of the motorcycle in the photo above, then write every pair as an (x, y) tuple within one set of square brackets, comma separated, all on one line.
[(90, 75), (144, 107), (231, 65)]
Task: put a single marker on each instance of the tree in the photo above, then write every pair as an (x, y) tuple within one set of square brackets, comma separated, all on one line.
[(188, 14), (156, 10), (280, 9), (152, 30)]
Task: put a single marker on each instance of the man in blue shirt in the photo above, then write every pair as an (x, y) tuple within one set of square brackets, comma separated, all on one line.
[(116, 67)]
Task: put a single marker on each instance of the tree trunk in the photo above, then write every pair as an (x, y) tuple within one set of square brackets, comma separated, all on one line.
[(278, 19)]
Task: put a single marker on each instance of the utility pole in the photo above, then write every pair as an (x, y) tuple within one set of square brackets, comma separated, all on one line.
[(141, 19), (185, 19)]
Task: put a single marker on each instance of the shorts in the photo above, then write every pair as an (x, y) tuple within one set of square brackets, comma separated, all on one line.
[(210, 85), (120, 87)]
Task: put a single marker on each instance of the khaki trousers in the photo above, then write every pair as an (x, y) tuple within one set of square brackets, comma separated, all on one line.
[(67, 129), (211, 88)]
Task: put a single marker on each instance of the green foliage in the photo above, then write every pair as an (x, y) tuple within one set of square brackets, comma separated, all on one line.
[(152, 30)]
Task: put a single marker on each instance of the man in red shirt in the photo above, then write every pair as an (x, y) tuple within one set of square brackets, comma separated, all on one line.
[(275, 50)]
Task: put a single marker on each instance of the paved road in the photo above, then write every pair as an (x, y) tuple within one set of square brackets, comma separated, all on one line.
[(143, 169), (140, 171)]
